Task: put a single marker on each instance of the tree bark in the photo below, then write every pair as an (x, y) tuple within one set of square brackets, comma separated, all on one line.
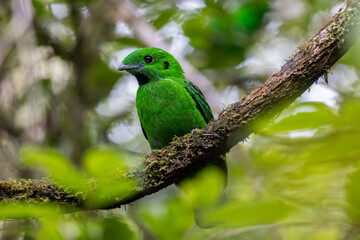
[(192, 151)]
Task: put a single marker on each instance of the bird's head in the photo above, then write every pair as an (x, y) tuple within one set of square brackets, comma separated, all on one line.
[(151, 64)]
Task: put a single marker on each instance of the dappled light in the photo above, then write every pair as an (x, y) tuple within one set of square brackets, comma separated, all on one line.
[(71, 143)]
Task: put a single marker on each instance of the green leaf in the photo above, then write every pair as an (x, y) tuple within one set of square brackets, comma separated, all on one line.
[(205, 187), (49, 229), (338, 147), (308, 116), (117, 228), (28, 210), (100, 161), (170, 217), (352, 189), (108, 191), (97, 225), (254, 212), (108, 166), (350, 114), (53, 163)]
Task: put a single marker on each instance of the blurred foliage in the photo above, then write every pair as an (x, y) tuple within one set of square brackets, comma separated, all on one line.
[(66, 113), (225, 31)]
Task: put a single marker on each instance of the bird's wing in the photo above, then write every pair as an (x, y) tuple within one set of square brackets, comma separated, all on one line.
[(200, 100)]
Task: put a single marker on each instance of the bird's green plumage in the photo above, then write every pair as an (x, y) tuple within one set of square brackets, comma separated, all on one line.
[(165, 110), (168, 104), (200, 101)]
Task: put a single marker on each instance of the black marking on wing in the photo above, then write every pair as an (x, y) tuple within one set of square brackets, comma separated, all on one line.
[(200, 100)]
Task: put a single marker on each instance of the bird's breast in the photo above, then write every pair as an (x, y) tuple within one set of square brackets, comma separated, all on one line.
[(165, 110)]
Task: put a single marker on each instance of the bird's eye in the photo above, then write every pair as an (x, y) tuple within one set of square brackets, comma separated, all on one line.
[(148, 59)]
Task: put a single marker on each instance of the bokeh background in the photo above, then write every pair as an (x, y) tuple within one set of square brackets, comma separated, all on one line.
[(62, 100)]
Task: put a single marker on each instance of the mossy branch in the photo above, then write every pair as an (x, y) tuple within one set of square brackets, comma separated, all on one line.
[(185, 154)]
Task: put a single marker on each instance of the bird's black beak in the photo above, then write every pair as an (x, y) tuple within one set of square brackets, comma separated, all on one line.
[(124, 67)]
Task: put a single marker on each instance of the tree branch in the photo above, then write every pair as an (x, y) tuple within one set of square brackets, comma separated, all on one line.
[(234, 124)]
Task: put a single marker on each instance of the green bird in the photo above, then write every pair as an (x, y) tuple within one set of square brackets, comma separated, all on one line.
[(167, 103)]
